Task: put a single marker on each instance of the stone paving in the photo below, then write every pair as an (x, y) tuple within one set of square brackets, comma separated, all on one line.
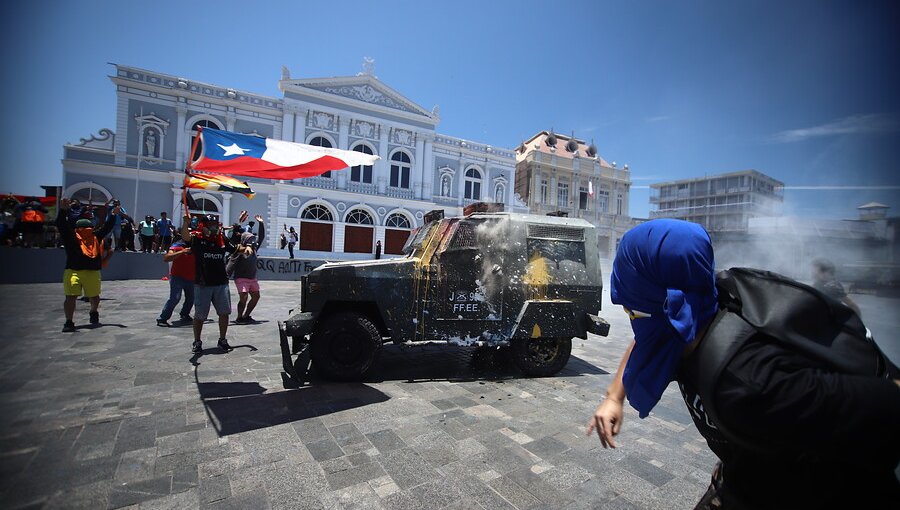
[(123, 416)]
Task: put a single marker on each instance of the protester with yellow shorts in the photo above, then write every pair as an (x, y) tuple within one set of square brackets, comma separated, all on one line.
[(84, 259)]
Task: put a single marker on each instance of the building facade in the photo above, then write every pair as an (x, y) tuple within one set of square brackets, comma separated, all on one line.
[(557, 174), (341, 214), (720, 203)]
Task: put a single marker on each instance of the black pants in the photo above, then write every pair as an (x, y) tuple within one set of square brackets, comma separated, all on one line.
[(146, 243), (291, 249)]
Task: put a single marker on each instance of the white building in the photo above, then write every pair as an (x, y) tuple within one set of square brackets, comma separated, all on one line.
[(340, 215), (724, 202)]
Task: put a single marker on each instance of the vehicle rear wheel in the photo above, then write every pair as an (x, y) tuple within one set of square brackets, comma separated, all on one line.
[(345, 346), (541, 357)]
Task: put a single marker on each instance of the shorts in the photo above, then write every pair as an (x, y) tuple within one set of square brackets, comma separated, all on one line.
[(78, 281), (246, 285), (218, 295)]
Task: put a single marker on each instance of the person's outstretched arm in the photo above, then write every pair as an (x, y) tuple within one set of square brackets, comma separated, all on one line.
[(607, 419), (262, 229)]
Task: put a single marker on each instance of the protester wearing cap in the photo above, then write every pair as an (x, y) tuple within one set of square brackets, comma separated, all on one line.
[(210, 248), (84, 257)]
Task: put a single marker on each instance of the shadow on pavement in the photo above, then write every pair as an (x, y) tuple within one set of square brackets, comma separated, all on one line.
[(235, 407), (434, 362)]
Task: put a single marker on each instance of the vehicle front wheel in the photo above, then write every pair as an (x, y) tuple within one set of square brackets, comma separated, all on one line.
[(541, 357), (345, 346)]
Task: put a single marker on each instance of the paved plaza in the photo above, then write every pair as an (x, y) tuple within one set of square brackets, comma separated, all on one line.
[(124, 416)]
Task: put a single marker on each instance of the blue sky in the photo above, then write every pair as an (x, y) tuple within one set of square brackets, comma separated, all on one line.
[(804, 91)]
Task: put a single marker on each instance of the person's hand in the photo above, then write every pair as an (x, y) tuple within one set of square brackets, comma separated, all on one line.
[(258, 218), (186, 251), (243, 217), (607, 420)]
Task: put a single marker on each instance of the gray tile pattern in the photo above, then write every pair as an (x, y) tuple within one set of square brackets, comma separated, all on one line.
[(123, 416)]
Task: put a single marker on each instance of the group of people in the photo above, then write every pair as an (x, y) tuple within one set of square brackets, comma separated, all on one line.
[(23, 223), (796, 417), (203, 260)]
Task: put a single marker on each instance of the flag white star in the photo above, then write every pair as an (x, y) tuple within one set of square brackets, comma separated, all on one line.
[(232, 150)]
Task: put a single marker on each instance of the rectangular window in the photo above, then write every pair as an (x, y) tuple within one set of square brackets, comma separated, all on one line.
[(404, 181), (619, 202), (603, 201), (582, 198), (545, 198), (562, 194)]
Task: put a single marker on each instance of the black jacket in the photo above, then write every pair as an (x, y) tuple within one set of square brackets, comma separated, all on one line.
[(834, 436), (75, 258)]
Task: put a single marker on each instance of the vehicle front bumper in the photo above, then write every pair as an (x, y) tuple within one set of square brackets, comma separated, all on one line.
[(297, 327)]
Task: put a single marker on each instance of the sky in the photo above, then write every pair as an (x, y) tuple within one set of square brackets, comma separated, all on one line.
[(803, 91)]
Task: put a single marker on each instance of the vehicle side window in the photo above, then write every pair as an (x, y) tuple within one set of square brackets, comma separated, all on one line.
[(558, 251)]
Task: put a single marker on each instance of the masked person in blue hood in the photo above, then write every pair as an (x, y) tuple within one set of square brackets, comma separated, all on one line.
[(790, 432)]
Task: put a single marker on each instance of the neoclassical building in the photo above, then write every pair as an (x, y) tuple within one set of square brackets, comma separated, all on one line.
[(341, 214), (556, 173)]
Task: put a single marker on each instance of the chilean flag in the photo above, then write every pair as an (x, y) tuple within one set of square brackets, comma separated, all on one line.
[(230, 153)]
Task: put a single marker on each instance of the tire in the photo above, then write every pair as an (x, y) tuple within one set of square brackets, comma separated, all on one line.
[(541, 357), (345, 346)]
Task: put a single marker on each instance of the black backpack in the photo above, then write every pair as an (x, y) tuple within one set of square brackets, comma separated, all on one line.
[(795, 315)]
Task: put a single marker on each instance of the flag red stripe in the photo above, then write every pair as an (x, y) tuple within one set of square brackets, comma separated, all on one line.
[(253, 167)]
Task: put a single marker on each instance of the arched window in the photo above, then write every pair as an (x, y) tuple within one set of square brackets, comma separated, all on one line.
[(321, 141), (397, 220), (396, 232), (317, 212), (196, 129), (400, 168), (360, 217), (204, 206), (473, 184), (91, 195), (362, 173)]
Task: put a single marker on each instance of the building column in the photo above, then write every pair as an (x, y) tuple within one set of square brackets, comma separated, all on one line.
[(554, 193), (337, 240), (287, 124), (230, 119), (419, 171), (343, 142), (181, 138), (428, 165), (225, 218), (178, 211), (382, 165)]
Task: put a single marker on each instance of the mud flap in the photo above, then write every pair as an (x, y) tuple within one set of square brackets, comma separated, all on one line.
[(295, 370), (597, 325)]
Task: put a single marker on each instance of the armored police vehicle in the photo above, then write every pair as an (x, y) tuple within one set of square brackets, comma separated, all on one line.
[(488, 278)]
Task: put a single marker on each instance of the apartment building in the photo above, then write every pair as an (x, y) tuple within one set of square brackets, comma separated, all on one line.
[(720, 203)]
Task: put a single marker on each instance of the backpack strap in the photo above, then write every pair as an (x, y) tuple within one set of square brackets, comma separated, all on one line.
[(726, 334)]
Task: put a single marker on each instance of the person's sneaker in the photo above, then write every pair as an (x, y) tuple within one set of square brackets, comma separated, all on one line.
[(95, 318), (197, 347), (249, 320), (240, 320), (69, 327), (223, 344), (162, 323)]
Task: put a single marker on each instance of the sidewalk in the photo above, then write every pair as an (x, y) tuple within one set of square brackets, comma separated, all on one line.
[(119, 416)]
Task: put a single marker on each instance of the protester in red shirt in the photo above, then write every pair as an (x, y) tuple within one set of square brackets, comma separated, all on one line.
[(181, 279)]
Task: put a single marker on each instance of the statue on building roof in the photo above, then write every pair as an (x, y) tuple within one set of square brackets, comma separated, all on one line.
[(368, 67), (285, 73)]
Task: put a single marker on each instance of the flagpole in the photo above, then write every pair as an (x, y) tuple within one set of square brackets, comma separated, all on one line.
[(137, 181), (187, 167)]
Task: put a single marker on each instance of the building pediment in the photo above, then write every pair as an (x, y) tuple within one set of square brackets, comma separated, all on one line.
[(365, 89)]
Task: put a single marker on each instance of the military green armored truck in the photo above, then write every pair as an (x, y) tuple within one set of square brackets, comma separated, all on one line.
[(488, 278)]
